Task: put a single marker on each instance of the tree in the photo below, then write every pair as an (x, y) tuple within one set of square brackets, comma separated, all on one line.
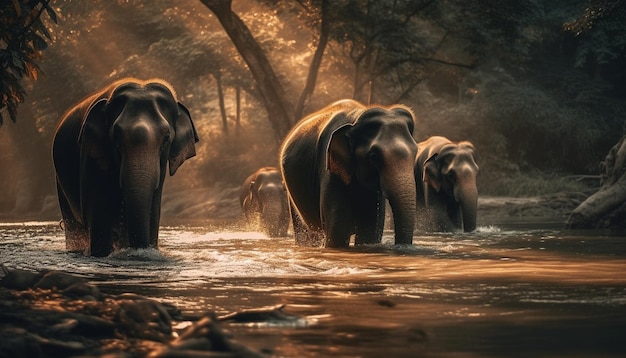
[(280, 111), (22, 31), (324, 33)]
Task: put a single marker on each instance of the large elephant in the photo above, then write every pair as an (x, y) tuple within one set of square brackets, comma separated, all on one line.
[(340, 163), (263, 200), (607, 207), (445, 174), (110, 154)]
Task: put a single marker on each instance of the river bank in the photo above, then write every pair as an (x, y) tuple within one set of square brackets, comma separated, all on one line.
[(55, 314), (221, 204)]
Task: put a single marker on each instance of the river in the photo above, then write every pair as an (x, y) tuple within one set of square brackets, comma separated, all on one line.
[(509, 289)]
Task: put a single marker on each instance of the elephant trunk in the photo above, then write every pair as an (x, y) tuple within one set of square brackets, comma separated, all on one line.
[(469, 207), (400, 191), (139, 179), (466, 194), (271, 208)]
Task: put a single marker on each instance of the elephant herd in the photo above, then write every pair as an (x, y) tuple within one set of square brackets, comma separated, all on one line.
[(338, 168)]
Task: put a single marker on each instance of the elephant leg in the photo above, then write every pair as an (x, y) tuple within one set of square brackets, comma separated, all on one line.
[(101, 209), (101, 238), (454, 214), (303, 234), (76, 236), (155, 218), (337, 217), (437, 210), (284, 225), (369, 211)]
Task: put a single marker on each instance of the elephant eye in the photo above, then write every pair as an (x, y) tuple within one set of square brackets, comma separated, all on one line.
[(451, 174), (374, 157)]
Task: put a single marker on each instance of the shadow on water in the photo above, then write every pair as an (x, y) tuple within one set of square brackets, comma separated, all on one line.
[(509, 289)]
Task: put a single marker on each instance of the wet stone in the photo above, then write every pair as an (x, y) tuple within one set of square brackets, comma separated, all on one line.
[(56, 314)]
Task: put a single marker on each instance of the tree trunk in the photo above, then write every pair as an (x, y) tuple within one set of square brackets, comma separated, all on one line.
[(606, 208), (309, 87), (220, 96), (273, 94), (238, 111)]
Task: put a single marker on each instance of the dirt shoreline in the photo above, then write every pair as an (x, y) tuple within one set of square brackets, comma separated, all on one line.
[(220, 205), (554, 207)]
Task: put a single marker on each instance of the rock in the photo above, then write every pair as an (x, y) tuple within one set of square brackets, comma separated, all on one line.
[(83, 290), (57, 280), (144, 318), (20, 279), (56, 314)]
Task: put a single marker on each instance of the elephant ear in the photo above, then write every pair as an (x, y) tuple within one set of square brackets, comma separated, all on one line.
[(183, 146), (432, 173), (93, 138), (339, 154)]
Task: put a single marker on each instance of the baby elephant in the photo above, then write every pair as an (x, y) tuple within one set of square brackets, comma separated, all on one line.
[(263, 200), (445, 177)]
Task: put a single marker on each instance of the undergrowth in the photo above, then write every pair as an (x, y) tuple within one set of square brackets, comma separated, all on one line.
[(537, 184)]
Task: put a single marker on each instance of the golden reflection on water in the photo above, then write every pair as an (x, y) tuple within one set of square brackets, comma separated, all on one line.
[(535, 293)]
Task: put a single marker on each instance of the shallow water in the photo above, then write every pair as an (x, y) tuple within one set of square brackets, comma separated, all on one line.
[(511, 289)]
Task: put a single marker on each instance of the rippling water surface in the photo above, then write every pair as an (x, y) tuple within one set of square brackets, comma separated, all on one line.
[(502, 291)]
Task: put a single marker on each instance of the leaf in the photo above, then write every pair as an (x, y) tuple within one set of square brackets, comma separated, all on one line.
[(39, 44), (33, 70), (38, 26), (51, 13), (17, 61), (12, 108)]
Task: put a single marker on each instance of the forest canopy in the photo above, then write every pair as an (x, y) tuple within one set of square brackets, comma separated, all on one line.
[(537, 85)]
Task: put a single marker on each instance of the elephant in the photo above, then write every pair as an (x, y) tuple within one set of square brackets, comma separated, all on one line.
[(340, 164), (606, 208), (110, 153), (263, 200), (445, 176)]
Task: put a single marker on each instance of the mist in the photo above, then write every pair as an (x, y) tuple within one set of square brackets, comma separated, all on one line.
[(101, 42)]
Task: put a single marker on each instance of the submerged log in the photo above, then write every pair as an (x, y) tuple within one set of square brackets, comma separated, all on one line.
[(607, 207)]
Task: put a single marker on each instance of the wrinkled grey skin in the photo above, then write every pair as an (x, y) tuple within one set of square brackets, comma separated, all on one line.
[(263, 200), (445, 174), (340, 164), (606, 208), (110, 154)]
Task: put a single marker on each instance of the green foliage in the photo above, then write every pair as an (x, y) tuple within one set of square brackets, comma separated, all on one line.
[(24, 35)]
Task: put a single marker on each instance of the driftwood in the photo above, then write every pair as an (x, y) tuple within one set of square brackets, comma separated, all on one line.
[(607, 207)]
